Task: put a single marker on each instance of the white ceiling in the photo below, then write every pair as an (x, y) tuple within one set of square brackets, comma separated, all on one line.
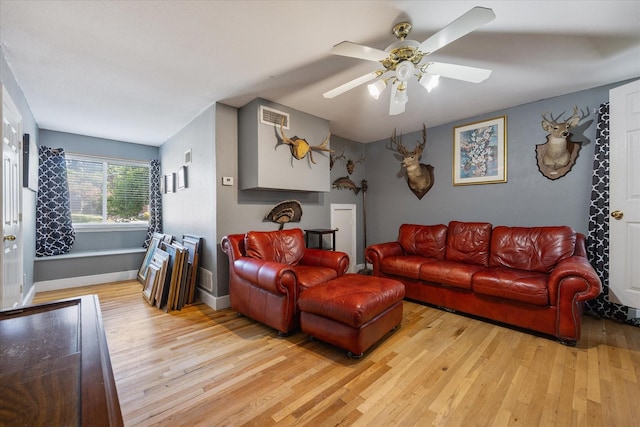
[(139, 71)]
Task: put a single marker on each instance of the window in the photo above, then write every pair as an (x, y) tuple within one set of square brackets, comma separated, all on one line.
[(106, 191)]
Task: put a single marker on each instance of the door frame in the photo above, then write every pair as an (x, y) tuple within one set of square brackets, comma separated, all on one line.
[(354, 242), (624, 221)]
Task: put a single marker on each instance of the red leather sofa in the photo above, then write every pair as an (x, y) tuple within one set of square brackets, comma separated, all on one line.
[(269, 269), (535, 278)]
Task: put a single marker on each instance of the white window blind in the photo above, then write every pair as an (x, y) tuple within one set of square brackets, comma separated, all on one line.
[(107, 191)]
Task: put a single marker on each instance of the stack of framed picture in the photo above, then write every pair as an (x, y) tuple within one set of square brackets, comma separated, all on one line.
[(169, 271)]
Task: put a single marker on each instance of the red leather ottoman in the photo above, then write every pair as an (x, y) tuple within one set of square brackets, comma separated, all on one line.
[(352, 312)]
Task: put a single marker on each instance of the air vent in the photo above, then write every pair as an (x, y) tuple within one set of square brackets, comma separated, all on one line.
[(269, 116)]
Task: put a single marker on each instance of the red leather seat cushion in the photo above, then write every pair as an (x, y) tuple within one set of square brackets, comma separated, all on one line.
[(284, 246), (310, 275), (519, 285), (405, 266), (351, 299), (449, 273)]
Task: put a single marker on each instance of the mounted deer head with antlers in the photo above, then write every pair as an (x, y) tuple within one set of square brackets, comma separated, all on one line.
[(419, 175), (559, 153), (351, 165)]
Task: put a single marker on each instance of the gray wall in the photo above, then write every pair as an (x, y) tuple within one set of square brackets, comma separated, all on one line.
[(239, 211), (28, 197), (193, 209), (527, 199), (95, 240)]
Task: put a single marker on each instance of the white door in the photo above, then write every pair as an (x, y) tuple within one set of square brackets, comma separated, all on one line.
[(11, 255), (624, 202), (343, 219)]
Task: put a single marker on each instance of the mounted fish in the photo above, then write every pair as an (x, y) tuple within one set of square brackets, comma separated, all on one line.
[(300, 147), (284, 212), (346, 183)]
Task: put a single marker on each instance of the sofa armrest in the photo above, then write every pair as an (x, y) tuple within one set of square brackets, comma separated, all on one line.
[(573, 277), (375, 253), (271, 276), (338, 261)]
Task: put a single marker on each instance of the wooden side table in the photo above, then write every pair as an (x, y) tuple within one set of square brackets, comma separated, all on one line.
[(321, 232), (55, 366)]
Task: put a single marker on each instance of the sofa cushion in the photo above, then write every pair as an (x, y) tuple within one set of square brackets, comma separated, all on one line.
[(468, 242), (405, 266), (518, 285), (449, 273), (423, 240), (309, 276), (284, 246), (531, 248)]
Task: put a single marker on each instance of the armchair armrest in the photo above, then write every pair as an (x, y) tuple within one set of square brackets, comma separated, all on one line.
[(233, 246), (338, 261), (375, 253), (573, 277), (271, 276)]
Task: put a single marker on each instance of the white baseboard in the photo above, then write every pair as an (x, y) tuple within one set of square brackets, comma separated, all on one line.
[(216, 303), (27, 299), (76, 282)]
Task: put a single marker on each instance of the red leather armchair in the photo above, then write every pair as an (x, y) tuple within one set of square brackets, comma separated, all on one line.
[(269, 269)]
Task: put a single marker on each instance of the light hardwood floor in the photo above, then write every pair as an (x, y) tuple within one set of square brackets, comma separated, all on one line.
[(212, 368)]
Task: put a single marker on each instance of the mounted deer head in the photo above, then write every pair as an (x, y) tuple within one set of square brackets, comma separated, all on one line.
[(419, 176), (559, 152), (351, 165), (333, 158)]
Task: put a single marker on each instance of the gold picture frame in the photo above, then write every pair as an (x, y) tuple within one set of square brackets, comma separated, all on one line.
[(480, 152)]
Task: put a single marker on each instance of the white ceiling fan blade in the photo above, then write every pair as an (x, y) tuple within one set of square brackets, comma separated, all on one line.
[(396, 107), (473, 19), (355, 50), (351, 84), (459, 72)]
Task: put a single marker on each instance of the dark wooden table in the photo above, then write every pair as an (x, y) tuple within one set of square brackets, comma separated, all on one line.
[(55, 368), (321, 232)]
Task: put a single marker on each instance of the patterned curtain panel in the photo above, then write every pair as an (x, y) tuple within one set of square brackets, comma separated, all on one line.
[(598, 239), (54, 232), (155, 201)]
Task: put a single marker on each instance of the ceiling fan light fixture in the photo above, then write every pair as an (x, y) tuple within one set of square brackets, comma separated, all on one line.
[(429, 81), (404, 71), (376, 88), (401, 96)]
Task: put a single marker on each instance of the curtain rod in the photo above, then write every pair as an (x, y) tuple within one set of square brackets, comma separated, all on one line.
[(95, 156)]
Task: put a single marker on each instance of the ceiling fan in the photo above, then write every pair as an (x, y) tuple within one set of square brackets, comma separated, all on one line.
[(405, 59)]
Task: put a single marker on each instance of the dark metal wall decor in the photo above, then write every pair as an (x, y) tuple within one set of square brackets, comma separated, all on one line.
[(420, 177), (557, 156)]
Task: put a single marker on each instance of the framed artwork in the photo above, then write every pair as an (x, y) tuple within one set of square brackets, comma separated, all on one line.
[(153, 245), (150, 283), (30, 163), (480, 152), (181, 178), (169, 183)]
